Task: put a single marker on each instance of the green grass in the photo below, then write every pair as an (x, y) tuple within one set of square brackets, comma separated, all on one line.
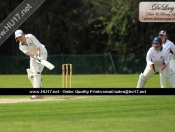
[(87, 113), (91, 114), (81, 81)]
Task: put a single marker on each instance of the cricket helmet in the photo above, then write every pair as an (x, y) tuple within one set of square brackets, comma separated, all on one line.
[(157, 40)]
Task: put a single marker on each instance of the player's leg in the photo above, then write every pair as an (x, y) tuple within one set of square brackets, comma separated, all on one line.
[(143, 78), (141, 81), (170, 74), (41, 67), (44, 57), (162, 80), (172, 65), (36, 69), (30, 76)]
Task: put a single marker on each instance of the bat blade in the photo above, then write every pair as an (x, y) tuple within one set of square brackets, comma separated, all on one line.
[(47, 64)]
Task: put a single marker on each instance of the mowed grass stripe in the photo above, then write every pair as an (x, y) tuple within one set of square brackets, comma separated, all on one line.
[(91, 114), (82, 81)]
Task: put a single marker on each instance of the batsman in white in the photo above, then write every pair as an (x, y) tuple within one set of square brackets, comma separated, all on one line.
[(30, 46), (170, 47), (157, 61)]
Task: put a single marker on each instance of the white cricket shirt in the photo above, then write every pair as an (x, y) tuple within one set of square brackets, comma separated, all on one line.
[(31, 45), (157, 57), (170, 47)]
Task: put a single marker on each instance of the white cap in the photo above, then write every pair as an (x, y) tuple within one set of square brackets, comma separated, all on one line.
[(18, 33)]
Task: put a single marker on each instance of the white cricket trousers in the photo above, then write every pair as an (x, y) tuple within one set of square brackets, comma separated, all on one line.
[(162, 77), (37, 69), (167, 72)]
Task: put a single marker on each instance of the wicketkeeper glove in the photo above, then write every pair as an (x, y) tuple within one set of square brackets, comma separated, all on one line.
[(38, 59), (163, 66), (153, 67)]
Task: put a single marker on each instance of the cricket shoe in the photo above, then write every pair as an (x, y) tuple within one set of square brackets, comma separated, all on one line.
[(37, 97)]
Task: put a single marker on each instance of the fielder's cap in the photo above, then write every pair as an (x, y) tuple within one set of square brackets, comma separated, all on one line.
[(162, 32), (18, 33)]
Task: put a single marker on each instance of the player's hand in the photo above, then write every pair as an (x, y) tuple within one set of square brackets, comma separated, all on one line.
[(38, 59), (163, 66), (153, 67)]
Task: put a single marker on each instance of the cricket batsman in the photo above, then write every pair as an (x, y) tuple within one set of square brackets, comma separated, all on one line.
[(31, 47), (157, 61), (170, 47)]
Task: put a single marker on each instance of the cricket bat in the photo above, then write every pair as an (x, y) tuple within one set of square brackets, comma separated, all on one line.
[(47, 64)]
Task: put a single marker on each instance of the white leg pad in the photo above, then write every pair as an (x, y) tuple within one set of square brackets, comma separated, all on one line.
[(162, 80), (30, 76), (37, 80), (141, 81)]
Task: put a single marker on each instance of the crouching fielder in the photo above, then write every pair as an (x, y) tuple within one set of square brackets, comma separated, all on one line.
[(157, 61), (30, 46)]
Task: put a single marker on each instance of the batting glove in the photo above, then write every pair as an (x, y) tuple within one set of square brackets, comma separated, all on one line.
[(153, 67), (38, 59), (163, 66)]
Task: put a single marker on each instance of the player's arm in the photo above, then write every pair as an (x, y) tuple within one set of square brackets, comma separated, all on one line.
[(37, 58), (172, 47), (30, 55), (166, 60), (26, 52), (149, 59), (36, 43), (149, 56), (38, 51)]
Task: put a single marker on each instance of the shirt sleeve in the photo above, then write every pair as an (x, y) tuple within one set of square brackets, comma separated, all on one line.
[(23, 49), (149, 56), (34, 40), (172, 47)]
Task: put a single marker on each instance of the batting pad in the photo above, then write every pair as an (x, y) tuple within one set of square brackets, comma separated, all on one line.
[(37, 81), (30, 76)]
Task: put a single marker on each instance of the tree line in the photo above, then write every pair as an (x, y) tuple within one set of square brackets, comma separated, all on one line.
[(86, 27)]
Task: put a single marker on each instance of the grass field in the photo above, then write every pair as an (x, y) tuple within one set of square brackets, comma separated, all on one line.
[(86, 113), (81, 81)]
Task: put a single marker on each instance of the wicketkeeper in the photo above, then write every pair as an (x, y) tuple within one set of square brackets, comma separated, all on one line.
[(157, 61), (30, 46), (170, 47)]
